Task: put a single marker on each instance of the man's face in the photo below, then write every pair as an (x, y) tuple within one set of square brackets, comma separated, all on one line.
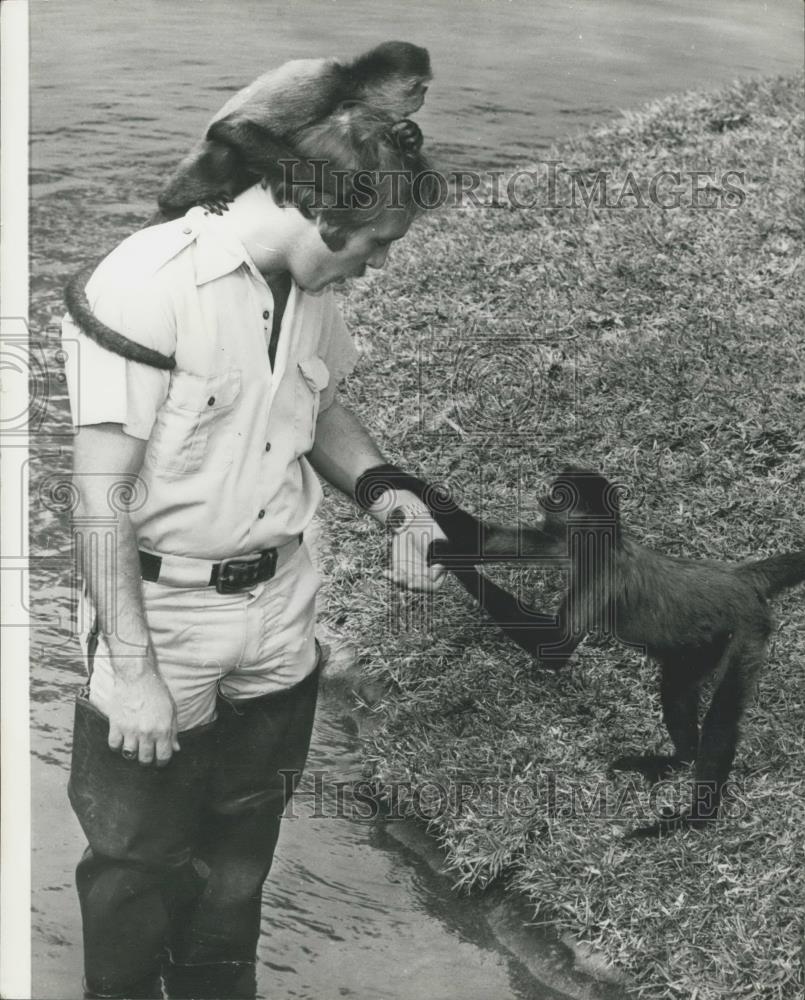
[(317, 266)]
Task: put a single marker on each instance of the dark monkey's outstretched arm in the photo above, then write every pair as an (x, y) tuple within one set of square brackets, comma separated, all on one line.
[(470, 541)]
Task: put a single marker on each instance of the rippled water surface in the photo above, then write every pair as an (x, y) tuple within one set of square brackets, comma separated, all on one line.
[(118, 91)]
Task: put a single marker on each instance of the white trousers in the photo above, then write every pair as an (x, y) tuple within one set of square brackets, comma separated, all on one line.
[(243, 645)]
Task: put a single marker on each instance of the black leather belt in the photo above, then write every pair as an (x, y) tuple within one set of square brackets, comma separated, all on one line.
[(229, 576)]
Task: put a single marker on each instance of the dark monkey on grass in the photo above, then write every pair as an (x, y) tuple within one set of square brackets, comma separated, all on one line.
[(259, 123), (694, 617)]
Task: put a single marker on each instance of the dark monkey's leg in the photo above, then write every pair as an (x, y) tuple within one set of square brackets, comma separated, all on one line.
[(234, 156), (720, 730), (256, 148), (680, 709), (679, 692), (739, 668), (212, 169)]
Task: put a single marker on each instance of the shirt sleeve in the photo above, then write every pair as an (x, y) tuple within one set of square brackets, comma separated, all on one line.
[(103, 386), (336, 349)]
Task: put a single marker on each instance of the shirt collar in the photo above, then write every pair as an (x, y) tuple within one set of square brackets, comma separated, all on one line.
[(218, 250)]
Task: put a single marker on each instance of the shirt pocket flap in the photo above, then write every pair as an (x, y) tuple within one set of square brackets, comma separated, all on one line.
[(315, 373), (203, 393)]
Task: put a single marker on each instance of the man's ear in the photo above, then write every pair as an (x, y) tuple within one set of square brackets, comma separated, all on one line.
[(334, 237)]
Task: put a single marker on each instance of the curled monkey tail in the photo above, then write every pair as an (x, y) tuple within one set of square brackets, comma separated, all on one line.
[(777, 573), (75, 298)]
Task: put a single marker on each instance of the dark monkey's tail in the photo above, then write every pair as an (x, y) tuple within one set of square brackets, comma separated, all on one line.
[(777, 573), (75, 298)]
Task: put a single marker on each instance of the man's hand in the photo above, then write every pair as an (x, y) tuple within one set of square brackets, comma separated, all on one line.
[(412, 531), (343, 450), (142, 715), (142, 720)]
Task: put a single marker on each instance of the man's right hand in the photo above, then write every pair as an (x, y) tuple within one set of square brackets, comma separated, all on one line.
[(142, 720), (142, 712)]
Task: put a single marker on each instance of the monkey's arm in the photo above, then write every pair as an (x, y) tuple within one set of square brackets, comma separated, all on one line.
[(471, 541), (466, 544), (465, 532), (548, 637), (529, 628), (469, 538)]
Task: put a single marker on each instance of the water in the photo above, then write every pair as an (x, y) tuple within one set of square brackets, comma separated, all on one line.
[(118, 91)]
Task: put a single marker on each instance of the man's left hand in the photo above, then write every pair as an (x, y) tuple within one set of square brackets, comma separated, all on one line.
[(412, 530)]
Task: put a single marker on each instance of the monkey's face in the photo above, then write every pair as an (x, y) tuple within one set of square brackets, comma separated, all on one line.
[(414, 97), (314, 265), (580, 494), (399, 96)]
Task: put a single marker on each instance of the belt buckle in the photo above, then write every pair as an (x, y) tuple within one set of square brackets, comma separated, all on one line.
[(242, 572)]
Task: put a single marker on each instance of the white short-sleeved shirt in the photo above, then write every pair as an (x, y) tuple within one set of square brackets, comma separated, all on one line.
[(224, 471)]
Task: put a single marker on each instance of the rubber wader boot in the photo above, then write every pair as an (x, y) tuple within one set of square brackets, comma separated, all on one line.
[(220, 981), (149, 989), (141, 824), (261, 748)]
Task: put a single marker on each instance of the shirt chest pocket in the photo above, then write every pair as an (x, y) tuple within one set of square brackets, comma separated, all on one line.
[(312, 376), (198, 409)]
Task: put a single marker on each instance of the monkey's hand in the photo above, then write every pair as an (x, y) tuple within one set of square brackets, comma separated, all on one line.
[(217, 203), (407, 135)]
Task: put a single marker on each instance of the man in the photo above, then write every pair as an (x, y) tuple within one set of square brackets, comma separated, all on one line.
[(195, 487)]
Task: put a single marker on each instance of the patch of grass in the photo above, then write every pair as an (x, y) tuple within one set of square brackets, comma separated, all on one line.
[(663, 346)]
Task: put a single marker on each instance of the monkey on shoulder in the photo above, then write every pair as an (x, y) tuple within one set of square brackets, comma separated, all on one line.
[(258, 124), (263, 124)]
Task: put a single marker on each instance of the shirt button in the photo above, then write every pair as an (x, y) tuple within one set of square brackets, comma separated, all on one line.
[(187, 230), (261, 514), (211, 401), (268, 446), (266, 314)]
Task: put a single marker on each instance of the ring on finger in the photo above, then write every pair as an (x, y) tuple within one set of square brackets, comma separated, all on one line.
[(129, 754)]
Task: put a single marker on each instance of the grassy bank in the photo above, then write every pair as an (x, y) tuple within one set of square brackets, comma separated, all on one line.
[(663, 346)]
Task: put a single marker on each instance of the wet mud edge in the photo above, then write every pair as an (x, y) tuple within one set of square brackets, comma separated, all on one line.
[(562, 965)]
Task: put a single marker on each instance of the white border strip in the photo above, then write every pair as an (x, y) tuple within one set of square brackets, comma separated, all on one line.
[(15, 789)]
